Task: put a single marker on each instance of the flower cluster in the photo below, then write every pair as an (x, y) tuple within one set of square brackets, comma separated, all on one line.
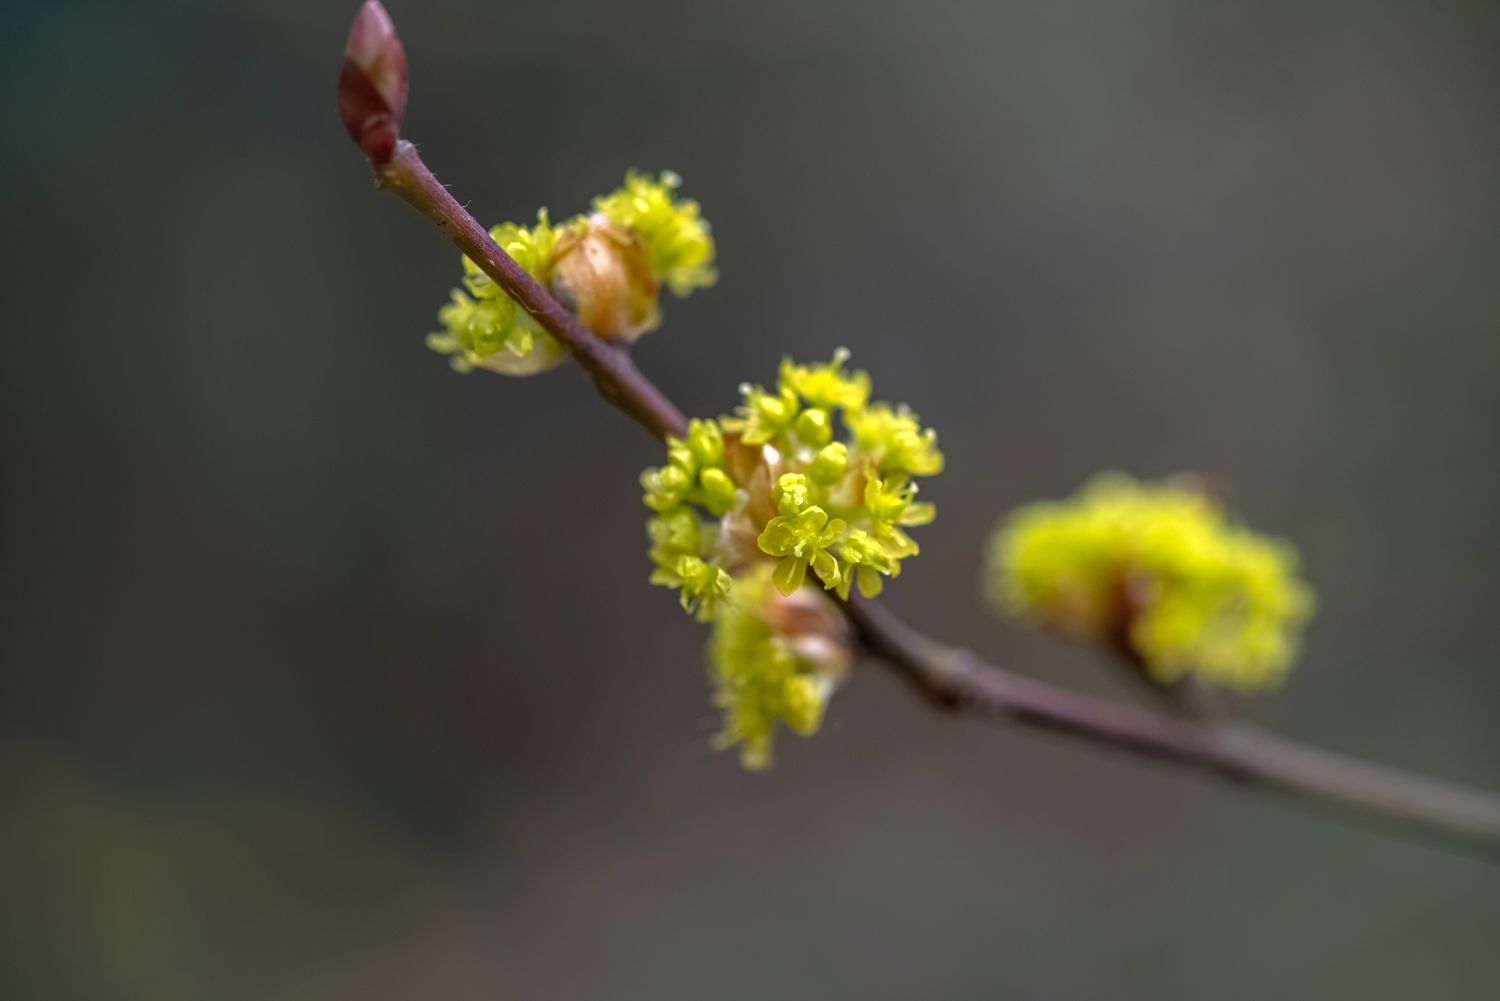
[(791, 504), (1160, 568), (672, 231), (773, 658), (606, 266)]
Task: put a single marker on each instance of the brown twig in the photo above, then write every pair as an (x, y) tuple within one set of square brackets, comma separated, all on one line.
[(948, 677), (956, 680), (609, 365)]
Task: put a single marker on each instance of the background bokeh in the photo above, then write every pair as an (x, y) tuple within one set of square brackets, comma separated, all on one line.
[(328, 673)]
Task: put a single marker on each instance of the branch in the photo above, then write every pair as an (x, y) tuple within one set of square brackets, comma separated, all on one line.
[(949, 677), (953, 679), (609, 365), (372, 101)]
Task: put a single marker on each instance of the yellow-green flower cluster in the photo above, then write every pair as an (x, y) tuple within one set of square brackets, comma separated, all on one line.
[(682, 547), (485, 328), (764, 673), (792, 500), (836, 508), (677, 239), (606, 266), (1162, 568)]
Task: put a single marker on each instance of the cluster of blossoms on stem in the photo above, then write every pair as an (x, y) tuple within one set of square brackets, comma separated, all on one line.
[(607, 266), (1160, 571), (807, 491), (788, 504)]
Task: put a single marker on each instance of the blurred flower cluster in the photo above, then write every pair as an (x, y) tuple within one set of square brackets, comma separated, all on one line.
[(1160, 571), (788, 502), (606, 266)]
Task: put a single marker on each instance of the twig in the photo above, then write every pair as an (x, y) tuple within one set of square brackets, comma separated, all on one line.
[(372, 100), (954, 679), (614, 375)]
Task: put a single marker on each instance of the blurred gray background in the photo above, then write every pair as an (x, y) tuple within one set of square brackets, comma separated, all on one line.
[(328, 673)]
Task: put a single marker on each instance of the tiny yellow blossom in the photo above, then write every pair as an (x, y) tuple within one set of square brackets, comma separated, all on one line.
[(827, 386), (677, 551), (896, 441), (1162, 568)]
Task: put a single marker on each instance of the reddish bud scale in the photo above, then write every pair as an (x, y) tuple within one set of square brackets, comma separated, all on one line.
[(601, 273), (372, 85)]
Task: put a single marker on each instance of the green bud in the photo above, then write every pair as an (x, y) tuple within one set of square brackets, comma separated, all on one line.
[(676, 531), (829, 466), (814, 427), (665, 487), (790, 494), (718, 491), (706, 443)]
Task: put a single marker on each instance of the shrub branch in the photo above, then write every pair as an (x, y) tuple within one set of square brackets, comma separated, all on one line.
[(949, 677)]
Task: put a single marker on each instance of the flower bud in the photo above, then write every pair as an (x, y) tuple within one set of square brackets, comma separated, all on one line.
[(791, 494), (705, 442), (829, 465), (718, 491), (600, 271), (814, 427)]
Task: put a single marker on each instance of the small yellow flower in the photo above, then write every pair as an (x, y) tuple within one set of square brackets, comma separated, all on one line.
[(802, 540), (1162, 568), (896, 441), (827, 386), (763, 415)]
